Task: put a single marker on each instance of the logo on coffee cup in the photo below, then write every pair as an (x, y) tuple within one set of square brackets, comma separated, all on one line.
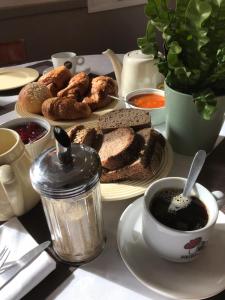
[(194, 247), (68, 64)]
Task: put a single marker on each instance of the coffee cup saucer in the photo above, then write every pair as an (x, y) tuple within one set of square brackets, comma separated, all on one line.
[(199, 279)]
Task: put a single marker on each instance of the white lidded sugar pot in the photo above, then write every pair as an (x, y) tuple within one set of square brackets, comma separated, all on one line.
[(67, 178)]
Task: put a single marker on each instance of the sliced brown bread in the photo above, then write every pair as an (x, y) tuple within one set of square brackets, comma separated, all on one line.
[(119, 147), (83, 135), (97, 143), (124, 117), (152, 141), (145, 136), (134, 171), (73, 131), (146, 165)]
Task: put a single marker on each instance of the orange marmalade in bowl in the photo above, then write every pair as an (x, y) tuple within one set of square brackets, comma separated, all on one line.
[(147, 101), (151, 100)]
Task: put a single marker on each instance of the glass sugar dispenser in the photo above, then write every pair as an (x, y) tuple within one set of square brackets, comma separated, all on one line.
[(67, 178)]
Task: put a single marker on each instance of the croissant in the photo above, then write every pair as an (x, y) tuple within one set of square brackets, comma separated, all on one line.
[(77, 87), (56, 79), (101, 87), (65, 109)]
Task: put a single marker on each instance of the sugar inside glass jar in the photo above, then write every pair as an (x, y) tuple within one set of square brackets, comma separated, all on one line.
[(67, 178)]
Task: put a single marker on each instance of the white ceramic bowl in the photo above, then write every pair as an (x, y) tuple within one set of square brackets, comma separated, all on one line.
[(36, 147), (157, 115)]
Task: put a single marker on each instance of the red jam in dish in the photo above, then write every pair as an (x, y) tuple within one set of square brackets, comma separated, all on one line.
[(148, 101), (30, 132)]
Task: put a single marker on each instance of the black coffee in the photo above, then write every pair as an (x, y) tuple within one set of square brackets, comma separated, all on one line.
[(192, 217)]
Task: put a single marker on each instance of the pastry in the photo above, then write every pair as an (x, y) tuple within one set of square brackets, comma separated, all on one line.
[(65, 109), (77, 87), (101, 87), (32, 96), (56, 79)]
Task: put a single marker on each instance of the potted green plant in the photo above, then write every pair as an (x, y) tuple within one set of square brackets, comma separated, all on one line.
[(193, 64)]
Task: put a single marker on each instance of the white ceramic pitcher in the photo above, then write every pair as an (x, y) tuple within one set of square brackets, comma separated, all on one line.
[(17, 196), (137, 71)]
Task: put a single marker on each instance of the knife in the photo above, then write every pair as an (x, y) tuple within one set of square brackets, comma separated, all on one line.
[(21, 263)]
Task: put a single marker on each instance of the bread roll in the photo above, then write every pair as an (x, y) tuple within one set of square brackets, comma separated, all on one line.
[(32, 96), (65, 109), (56, 79)]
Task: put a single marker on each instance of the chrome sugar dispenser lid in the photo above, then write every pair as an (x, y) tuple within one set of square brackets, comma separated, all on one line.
[(66, 170)]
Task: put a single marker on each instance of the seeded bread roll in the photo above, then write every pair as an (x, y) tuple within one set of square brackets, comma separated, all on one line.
[(32, 96)]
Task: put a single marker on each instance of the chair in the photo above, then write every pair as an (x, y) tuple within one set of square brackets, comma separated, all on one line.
[(12, 52)]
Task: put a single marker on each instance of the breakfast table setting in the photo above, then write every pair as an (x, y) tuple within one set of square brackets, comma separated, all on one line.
[(112, 167), (108, 271)]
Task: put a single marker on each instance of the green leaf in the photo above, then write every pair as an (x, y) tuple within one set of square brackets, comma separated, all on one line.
[(208, 111), (206, 104), (157, 11), (148, 43), (221, 55), (173, 55)]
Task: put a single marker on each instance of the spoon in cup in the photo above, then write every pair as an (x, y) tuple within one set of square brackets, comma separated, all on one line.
[(183, 200)]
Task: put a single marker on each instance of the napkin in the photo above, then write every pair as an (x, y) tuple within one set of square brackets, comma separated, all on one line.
[(14, 236)]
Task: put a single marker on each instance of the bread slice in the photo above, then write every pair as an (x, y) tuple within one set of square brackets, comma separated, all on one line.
[(146, 165), (73, 131), (125, 117), (134, 171), (152, 141), (91, 137), (119, 147)]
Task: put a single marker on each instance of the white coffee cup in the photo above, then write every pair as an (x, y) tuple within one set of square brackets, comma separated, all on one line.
[(177, 245), (67, 59)]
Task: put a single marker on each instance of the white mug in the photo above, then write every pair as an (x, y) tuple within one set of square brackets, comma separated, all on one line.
[(67, 59), (17, 195), (177, 245)]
